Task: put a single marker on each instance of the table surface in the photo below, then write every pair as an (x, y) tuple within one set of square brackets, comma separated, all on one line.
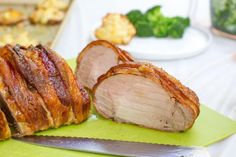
[(211, 74)]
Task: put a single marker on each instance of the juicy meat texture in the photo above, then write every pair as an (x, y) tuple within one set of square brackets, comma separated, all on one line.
[(145, 95), (96, 59), (24, 104), (4, 128)]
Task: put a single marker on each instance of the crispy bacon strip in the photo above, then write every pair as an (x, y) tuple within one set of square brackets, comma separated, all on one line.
[(23, 102), (78, 98)]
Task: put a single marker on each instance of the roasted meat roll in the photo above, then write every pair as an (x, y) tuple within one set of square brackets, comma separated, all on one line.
[(54, 80), (76, 94), (145, 95), (24, 107), (96, 58), (4, 128)]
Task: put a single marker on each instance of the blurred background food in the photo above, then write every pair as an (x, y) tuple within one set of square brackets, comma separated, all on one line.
[(154, 23), (55, 4), (47, 16), (120, 29), (49, 12), (116, 28), (31, 22), (223, 16), (11, 16), (21, 38)]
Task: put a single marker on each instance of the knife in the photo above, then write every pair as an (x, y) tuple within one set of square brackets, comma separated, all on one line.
[(115, 147)]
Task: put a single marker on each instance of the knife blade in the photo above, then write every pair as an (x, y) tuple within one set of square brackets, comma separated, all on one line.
[(115, 147)]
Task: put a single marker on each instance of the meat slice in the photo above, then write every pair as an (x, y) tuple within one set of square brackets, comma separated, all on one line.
[(54, 80), (4, 128), (145, 95), (23, 105), (96, 58)]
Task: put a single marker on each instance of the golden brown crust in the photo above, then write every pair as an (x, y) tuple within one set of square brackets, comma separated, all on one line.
[(4, 128), (10, 17), (86, 101), (176, 90), (29, 78), (34, 71), (79, 100), (24, 104)]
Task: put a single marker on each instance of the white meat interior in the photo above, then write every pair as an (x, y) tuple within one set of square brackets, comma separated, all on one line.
[(139, 100), (96, 61)]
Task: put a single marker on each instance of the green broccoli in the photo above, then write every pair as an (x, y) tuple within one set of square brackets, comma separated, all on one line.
[(160, 27), (184, 21), (143, 29), (177, 26), (153, 14), (154, 23), (135, 15)]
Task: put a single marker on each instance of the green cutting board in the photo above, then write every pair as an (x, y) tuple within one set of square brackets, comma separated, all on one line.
[(210, 127)]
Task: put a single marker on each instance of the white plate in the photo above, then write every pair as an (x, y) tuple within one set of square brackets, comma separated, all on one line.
[(194, 41)]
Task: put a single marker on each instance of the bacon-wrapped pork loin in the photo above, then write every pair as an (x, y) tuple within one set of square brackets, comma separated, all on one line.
[(145, 95), (96, 58), (38, 90)]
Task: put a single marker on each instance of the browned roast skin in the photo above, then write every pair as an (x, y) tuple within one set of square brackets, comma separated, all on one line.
[(4, 128), (30, 64), (78, 98), (55, 78), (86, 100), (90, 65), (182, 95), (25, 105)]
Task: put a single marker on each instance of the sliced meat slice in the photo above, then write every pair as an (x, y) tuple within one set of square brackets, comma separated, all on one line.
[(41, 73), (96, 58), (22, 103), (4, 128), (145, 95), (77, 96)]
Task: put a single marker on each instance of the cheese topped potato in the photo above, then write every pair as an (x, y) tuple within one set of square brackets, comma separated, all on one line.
[(116, 28), (49, 12), (57, 4), (10, 17), (47, 16)]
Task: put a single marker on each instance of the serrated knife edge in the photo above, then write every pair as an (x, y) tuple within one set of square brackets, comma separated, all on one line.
[(115, 147)]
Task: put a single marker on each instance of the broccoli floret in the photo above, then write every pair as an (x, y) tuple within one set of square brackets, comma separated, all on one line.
[(143, 29), (153, 14), (139, 20), (135, 15), (176, 31), (184, 21), (177, 27), (154, 23), (160, 27)]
